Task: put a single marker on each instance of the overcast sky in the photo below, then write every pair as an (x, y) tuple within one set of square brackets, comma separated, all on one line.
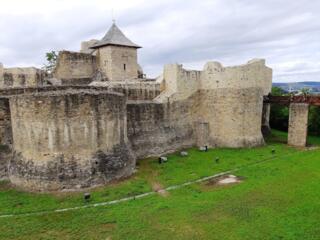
[(284, 32)]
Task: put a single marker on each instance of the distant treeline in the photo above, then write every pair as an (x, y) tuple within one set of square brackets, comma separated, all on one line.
[(295, 87), (279, 115)]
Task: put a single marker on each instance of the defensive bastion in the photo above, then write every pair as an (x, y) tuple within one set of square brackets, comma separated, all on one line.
[(84, 131)]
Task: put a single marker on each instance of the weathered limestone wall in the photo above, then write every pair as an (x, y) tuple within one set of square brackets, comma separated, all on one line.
[(180, 82), (232, 101), (133, 90), (146, 92), (1, 76), (265, 125), (250, 75), (5, 123), (118, 63), (69, 140), (21, 77), (298, 124), (157, 128), (5, 137), (86, 46), (75, 68), (233, 116), (228, 109)]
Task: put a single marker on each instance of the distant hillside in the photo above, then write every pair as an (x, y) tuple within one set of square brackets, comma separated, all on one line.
[(297, 86)]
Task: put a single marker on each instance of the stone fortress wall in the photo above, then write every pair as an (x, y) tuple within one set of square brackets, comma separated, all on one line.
[(63, 135), (124, 57), (57, 131), (88, 124), (5, 123), (217, 107), (21, 77), (69, 139), (75, 68)]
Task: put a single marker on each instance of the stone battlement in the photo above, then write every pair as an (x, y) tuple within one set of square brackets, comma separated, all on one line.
[(100, 113)]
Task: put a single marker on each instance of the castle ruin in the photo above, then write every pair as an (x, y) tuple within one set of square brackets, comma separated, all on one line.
[(86, 123)]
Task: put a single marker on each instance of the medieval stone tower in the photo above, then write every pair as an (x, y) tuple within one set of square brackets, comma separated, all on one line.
[(117, 56)]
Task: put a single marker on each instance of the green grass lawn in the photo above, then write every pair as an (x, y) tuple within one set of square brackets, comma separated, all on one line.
[(278, 199)]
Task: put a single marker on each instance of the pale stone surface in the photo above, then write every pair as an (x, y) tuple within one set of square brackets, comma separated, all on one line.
[(69, 139), (233, 116), (265, 126), (86, 46), (158, 128), (298, 124), (1, 76), (201, 133), (118, 63), (227, 101), (73, 67), (22, 77), (254, 74), (64, 137), (5, 123), (181, 82)]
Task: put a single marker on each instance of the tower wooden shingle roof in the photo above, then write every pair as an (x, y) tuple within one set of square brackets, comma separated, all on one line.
[(115, 37)]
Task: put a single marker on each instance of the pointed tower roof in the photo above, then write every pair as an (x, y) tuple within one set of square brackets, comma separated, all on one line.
[(115, 37)]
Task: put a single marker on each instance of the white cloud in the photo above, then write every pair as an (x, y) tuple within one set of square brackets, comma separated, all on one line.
[(192, 32)]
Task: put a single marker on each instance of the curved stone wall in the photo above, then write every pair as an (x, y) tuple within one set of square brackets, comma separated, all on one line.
[(69, 139)]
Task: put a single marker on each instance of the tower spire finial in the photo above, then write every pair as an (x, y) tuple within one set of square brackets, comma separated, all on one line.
[(113, 18)]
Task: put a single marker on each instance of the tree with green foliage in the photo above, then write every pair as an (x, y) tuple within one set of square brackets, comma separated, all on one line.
[(279, 115), (51, 61), (314, 120), (305, 91)]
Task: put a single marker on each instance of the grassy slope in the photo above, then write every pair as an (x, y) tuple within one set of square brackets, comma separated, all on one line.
[(279, 199)]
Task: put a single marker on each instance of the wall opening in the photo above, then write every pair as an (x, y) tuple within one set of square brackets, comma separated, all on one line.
[(313, 125), (124, 67), (279, 122)]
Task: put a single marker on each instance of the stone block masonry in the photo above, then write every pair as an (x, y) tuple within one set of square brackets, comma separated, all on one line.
[(158, 128), (265, 126), (71, 137), (101, 112), (298, 124), (1, 76), (5, 137), (5, 123), (69, 140), (118, 63), (21, 77), (75, 68)]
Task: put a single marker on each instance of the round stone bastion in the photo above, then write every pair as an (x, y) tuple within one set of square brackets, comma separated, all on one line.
[(69, 139)]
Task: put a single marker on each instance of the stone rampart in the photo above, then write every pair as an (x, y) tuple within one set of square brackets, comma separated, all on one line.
[(233, 116), (229, 102), (75, 68), (157, 128), (5, 137), (5, 123), (1, 76), (135, 92), (64, 140), (21, 77)]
